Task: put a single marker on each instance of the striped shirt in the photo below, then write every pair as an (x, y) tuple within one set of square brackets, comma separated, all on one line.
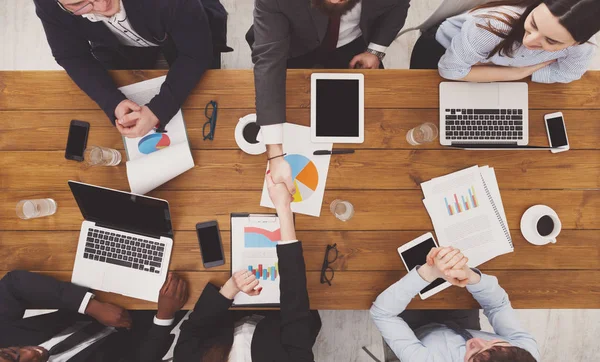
[(467, 44)]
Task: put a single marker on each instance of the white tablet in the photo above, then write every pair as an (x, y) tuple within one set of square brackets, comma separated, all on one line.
[(415, 253), (337, 108)]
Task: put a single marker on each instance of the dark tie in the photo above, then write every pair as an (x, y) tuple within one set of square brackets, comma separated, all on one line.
[(330, 41), (460, 331), (77, 338)]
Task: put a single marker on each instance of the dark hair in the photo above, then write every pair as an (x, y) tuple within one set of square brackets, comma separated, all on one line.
[(217, 353), (504, 354), (579, 17)]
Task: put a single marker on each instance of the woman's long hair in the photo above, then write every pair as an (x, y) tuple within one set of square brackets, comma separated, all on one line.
[(580, 17)]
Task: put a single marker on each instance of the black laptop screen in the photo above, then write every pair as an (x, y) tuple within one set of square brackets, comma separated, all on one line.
[(122, 210)]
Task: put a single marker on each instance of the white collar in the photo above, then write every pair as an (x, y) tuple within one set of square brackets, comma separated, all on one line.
[(119, 16)]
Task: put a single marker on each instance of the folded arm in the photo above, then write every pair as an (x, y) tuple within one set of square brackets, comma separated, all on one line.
[(389, 25)]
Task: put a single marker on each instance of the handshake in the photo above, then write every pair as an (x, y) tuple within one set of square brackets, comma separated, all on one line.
[(450, 264)]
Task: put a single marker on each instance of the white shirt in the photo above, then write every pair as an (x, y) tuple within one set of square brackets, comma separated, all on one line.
[(119, 25), (67, 355), (349, 31)]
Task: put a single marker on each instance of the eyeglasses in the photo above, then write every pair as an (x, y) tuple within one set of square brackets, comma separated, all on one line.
[(326, 271), (211, 114), (13, 356), (81, 9)]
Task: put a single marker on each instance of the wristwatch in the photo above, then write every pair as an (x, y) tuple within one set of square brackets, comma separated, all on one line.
[(379, 55)]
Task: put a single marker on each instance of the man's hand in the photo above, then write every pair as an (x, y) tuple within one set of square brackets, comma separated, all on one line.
[(281, 172), (124, 108), (144, 124), (278, 193), (465, 276), (108, 314), (172, 297), (365, 61), (449, 259)]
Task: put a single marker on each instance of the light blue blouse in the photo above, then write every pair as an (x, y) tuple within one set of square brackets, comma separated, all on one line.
[(467, 44)]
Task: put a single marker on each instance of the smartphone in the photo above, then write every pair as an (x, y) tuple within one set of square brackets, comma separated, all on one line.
[(211, 246), (557, 132), (77, 140)]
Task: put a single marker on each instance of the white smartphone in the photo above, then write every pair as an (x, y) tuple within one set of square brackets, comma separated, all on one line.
[(557, 132), (415, 253)]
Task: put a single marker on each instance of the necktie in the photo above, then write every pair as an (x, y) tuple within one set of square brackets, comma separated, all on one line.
[(77, 338), (333, 33), (460, 331)]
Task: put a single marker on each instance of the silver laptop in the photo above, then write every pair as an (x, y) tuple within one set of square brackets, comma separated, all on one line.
[(484, 114), (125, 242)]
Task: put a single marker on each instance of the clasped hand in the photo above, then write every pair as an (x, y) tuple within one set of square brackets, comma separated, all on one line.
[(450, 264), (133, 120)]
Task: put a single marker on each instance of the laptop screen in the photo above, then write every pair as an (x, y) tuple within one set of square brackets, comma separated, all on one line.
[(122, 210)]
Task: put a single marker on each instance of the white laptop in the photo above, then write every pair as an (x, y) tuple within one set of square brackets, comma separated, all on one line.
[(484, 114), (125, 242)]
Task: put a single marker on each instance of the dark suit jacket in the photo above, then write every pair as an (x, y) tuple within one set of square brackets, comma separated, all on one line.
[(289, 28), (287, 337), (20, 290), (182, 24)]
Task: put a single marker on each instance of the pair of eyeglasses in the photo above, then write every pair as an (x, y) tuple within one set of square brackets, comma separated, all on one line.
[(211, 114), (327, 271), (78, 8)]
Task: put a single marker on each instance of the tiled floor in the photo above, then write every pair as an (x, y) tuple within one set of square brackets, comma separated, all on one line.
[(562, 335)]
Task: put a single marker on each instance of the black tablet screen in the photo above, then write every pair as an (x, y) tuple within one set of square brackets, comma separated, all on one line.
[(417, 255), (337, 108)]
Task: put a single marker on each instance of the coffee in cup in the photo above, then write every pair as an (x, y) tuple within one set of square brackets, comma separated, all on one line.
[(548, 227)]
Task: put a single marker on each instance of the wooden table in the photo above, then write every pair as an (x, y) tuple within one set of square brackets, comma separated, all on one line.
[(381, 179)]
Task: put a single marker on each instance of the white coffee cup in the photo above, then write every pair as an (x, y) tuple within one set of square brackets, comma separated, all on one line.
[(551, 237)]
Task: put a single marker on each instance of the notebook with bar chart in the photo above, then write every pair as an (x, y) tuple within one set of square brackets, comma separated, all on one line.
[(467, 213), (254, 240)]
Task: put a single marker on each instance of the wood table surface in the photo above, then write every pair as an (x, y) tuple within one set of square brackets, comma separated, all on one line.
[(381, 179)]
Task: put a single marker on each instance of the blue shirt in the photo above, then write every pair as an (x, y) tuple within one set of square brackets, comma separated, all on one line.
[(467, 44), (436, 342)]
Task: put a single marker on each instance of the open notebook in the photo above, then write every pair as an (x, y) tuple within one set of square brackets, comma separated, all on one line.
[(467, 213), (254, 240), (156, 157)]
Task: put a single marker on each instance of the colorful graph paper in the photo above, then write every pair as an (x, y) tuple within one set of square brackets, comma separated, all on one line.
[(264, 273), (461, 203)]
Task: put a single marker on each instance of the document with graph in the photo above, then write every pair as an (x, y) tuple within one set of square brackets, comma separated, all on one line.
[(254, 240), (158, 156), (467, 213)]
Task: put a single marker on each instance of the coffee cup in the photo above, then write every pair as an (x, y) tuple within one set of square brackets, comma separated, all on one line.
[(548, 226)]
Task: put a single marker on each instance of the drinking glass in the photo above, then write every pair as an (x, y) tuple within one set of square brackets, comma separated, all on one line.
[(427, 132), (343, 210), (30, 209), (101, 156)]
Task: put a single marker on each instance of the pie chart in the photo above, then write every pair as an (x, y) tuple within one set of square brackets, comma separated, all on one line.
[(305, 176), (153, 142)]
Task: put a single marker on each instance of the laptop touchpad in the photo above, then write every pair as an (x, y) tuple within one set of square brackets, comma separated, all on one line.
[(484, 95)]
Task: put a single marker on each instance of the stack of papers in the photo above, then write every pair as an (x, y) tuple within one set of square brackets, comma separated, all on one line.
[(467, 213)]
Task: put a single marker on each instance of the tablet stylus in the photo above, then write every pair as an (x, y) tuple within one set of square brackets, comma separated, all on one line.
[(334, 152)]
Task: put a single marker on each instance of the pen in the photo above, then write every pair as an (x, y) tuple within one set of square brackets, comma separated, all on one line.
[(334, 152)]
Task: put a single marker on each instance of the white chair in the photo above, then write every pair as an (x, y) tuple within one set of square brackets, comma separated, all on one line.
[(447, 9)]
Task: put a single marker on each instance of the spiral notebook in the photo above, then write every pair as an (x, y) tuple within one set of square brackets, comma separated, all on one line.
[(467, 212)]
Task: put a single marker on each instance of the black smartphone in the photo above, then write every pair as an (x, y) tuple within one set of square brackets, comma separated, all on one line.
[(77, 140), (211, 246)]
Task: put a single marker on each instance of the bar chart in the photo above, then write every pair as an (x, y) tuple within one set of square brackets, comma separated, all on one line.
[(461, 203), (269, 273)]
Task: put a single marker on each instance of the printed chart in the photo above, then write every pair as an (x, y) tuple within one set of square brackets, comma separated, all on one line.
[(153, 142), (265, 273), (255, 237), (305, 176), (458, 204)]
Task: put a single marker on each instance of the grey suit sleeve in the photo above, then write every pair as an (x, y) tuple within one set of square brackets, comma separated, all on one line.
[(269, 55), (390, 23)]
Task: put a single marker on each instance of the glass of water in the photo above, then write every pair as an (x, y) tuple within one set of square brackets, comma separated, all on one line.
[(343, 210), (101, 156), (427, 132), (30, 209)]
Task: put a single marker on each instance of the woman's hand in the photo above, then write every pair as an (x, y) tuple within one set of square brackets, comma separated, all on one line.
[(279, 194), (241, 281)]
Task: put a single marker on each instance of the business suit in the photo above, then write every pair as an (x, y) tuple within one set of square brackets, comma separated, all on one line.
[(285, 29), (287, 336), (20, 290), (180, 28)]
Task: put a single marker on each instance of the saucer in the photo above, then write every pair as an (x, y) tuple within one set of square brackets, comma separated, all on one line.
[(243, 144), (528, 224)]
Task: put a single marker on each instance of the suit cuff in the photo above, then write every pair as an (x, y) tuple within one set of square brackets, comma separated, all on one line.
[(287, 242), (84, 303), (377, 47), (272, 134), (163, 322)]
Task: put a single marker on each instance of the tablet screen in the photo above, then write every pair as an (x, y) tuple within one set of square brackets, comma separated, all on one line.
[(417, 255), (337, 108)]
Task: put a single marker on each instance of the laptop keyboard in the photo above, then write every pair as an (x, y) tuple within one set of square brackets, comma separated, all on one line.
[(114, 248), (484, 124)]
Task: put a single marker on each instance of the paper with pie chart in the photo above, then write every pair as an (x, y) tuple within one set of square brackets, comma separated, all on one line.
[(309, 172), (157, 157)]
